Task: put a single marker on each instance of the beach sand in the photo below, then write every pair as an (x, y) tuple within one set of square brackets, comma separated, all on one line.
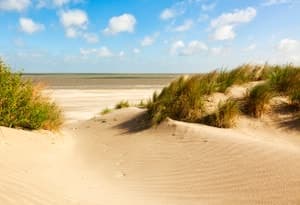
[(115, 159)]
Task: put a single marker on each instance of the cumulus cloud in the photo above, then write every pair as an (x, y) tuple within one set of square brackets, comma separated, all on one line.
[(14, 5), (288, 45), (74, 21), (289, 51), (90, 37), (225, 32), (123, 23), (167, 14), (192, 48), (101, 52), (225, 24), (27, 25), (149, 40), (187, 25)]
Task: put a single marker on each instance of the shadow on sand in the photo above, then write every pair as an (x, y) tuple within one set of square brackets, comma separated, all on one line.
[(135, 124)]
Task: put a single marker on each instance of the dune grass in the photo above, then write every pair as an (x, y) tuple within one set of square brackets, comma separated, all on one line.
[(225, 115), (257, 99), (106, 111), (184, 99), (122, 104), (22, 104)]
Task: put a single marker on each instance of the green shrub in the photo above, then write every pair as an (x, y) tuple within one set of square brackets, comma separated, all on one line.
[(122, 104), (106, 111), (225, 115), (22, 105), (257, 99)]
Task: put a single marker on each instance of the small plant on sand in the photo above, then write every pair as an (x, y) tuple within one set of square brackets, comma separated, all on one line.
[(141, 104), (257, 99), (106, 111), (122, 104), (225, 115), (22, 104)]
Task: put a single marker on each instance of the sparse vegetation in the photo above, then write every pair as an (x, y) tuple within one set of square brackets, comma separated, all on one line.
[(257, 99), (106, 111), (22, 104), (122, 104), (184, 99)]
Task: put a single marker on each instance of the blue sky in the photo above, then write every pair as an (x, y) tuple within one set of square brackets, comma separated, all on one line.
[(147, 35)]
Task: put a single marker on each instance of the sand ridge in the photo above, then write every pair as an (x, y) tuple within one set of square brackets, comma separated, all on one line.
[(114, 159)]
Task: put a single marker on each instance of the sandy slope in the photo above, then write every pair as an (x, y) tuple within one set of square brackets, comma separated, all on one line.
[(112, 159)]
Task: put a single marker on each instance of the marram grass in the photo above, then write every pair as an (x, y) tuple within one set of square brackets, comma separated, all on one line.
[(184, 98)]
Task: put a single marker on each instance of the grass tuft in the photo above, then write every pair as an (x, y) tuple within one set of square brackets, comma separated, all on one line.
[(122, 104), (106, 111), (257, 99), (225, 115)]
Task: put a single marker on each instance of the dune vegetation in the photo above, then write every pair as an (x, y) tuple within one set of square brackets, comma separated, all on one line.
[(186, 98), (22, 104)]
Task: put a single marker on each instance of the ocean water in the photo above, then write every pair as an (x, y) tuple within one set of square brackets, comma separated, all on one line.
[(102, 81), (83, 96)]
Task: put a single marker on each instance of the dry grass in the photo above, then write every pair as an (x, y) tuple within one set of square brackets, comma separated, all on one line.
[(122, 104)]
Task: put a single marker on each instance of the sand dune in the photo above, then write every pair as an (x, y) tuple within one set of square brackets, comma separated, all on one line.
[(113, 159)]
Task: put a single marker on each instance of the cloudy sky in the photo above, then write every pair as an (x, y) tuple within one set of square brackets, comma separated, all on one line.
[(147, 35)]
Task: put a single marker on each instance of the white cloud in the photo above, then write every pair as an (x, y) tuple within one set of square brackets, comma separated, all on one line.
[(208, 7), (14, 5), (275, 2), (55, 3), (136, 51), (251, 47), (225, 24), (176, 46), (27, 25), (187, 25), (288, 51), (91, 37), (192, 48), (167, 14), (224, 33), (288, 45), (122, 53), (101, 52), (104, 52), (123, 23), (217, 51), (149, 40), (74, 21)]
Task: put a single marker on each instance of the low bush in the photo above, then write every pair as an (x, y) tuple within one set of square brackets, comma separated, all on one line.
[(22, 104)]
